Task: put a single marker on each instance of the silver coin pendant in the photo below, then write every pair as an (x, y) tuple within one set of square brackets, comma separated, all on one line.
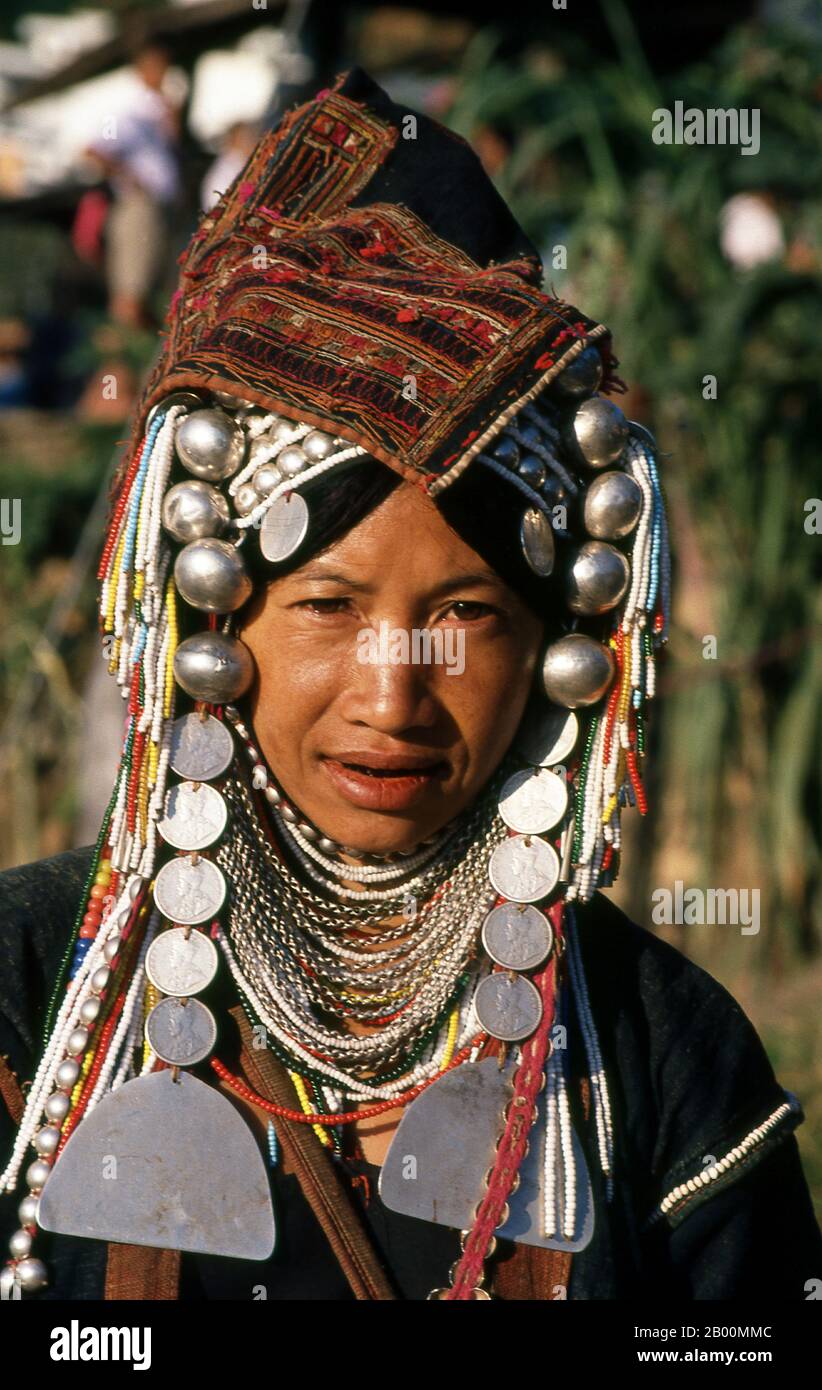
[(507, 1006), (181, 1034), (533, 801), (181, 962), (524, 868), (517, 936), (189, 891), (201, 749), (284, 527)]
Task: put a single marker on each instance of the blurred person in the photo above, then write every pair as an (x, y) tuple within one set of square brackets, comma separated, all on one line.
[(342, 918), (235, 148), (141, 163)]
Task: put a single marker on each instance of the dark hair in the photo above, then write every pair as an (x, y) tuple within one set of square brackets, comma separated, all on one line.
[(483, 509)]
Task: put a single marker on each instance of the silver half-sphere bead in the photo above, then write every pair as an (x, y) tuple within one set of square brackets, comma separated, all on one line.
[(267, 477), (613, 503), (210, 444), (213, 666), (46, 1140), (317, 445), (506, 451), (281, 430), (67, 1073), (246, 499), (57, 1106), (597, 579), (210, 575), (89, 1009), (292, 460), (111, 948), (37, 1174), (20, 1245), (224, 398), (577, 671), (194, 509), (32, 1275), (582, 376), (598, 431), (532, 471), (78, 1042), (100, 979), (189, 399), (27, 1210)]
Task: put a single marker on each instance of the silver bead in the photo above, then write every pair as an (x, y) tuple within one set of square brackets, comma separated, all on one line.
[(100, 979), (136, 887), (613, 503), (67, 1073), (598, 432), (190, 399), (532, 471), (20, 1245), (213, 666), (327, 846), (308, 831), (292, 461), (37, 1174), (582, 376), (210, 444), (267, 477), (57, 1106), (576, 671), (46, 1140), (282, 430), (317, 445), (27, 1210), (229, 402), (78, 1042), (597, 579), (111, 948), (194, 509), (506, 451), (32, 1275), (123, 919), (210, 575), (245, 499), (288, 814), (89, 1009)]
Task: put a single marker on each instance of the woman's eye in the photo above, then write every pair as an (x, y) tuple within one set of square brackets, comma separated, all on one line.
[(465, 612), (324, 605)]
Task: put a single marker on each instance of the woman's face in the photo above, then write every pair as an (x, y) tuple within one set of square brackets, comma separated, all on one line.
[(392, 672)]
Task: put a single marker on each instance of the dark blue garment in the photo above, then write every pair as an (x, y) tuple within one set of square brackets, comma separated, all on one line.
[(687, 1075)]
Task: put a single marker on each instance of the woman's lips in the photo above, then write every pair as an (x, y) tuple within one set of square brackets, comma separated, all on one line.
[(386, 783)]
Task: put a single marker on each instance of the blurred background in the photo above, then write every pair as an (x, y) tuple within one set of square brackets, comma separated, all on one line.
[(703, 261)]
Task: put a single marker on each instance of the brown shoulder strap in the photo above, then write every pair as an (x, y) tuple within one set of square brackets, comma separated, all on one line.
[(10, 1091), (321, 1184)]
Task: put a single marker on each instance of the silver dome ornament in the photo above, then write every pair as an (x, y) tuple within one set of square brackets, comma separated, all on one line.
[(32, 1275), (506, 451), (194, 509), (38, 1174), (613, 504), (210, 575), (20, 1245), (532, 471), (292, 460), (246, 498), (281, 431), (67, 1073), (210, 444), (229, 402), (598, 432), (214, 667), (57, 1106), (597, 579), (27, 1210), (582, 376), (317, 446), (576, 671), (537, 541), (267, 477), (46, 1140), (190, 400)]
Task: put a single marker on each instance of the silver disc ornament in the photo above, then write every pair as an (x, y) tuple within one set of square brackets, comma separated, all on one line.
[(201, 749), (181, 962), (189, 891), (533, 801), (547, 735), (507, 1006), (517, 936), (181, 1034), (284, 527), (524, 868), (537, 541), (195, 816)]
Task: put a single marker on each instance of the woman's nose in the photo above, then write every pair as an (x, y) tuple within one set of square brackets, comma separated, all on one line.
[(390, 695)]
